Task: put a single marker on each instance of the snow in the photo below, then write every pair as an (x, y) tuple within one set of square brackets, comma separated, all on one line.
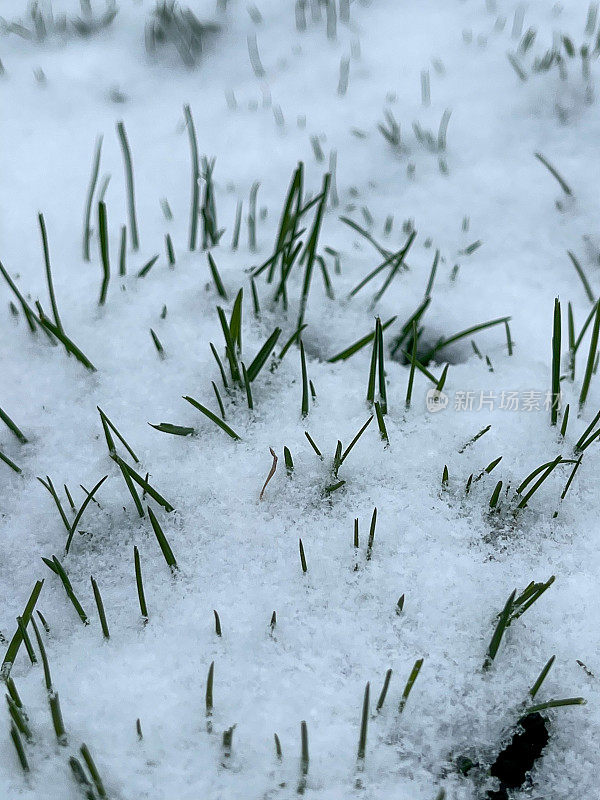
[(337, 627)]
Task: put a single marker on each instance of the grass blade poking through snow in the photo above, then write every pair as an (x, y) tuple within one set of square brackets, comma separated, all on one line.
[(11, 425), (83, 507), (304, 407), (162, 541), (381, 368), (195, 201), (263, 354), (354, 348), (223, 425), (55, 313), (541, 678), (381, 424), (589, 370), (582, 276), (10, 463), (346, 452), (133, 228), (513, 609), (462, 334), (216, 278), (58, 569), (556, 340), (104, 256), (302, 557), (15, 642), (148, 489), (310, 252), (384, 690), (409, 684), (209, 695), (91, 765), (563, 184), (364, 722), (90, 198), (140, 584), (100, 605), (304, 758)]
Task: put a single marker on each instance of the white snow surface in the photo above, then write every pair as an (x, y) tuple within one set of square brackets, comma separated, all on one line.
[(337, 626)]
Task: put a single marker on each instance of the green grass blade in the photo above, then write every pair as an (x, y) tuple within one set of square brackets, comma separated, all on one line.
[(584, 280), (304, 408), (83, 507), (104, 256), (89, 199), (263, 354), (135, 243), (589, 370), (346, 452), (15, 642), (162, 541), (541, 678), (139, 583), (148, 489), (409, 684), (216, 278), (503, 623), (556, 353), (100, 606), (229, 431), (362, 739), (49, 281)]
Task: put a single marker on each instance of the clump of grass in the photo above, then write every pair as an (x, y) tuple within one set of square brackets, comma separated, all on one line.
[(49, 327), (515, 607), (174, 27)]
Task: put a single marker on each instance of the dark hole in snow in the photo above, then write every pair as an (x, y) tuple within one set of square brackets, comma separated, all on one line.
[(456, 353), (519, 756)]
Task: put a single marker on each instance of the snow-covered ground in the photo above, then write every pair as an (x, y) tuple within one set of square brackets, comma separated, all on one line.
[(488, 205)]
